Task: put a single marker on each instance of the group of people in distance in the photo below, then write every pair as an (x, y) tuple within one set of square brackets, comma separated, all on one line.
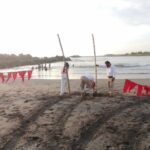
[(87, 82)]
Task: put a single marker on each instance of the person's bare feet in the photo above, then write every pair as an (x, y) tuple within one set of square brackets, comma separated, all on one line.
[(83, 93), (110, 93)]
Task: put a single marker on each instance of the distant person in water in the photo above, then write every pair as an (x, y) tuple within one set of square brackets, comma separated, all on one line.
[(110, 72), (49, 65), (64, 79), (87, 84)]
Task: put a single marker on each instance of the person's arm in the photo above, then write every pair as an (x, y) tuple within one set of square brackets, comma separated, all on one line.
[(101, 66), (97, 65)]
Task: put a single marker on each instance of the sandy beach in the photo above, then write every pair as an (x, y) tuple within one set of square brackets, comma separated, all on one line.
[(34, 117)]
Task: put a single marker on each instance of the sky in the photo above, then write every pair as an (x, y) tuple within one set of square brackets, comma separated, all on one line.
[(31, 26)]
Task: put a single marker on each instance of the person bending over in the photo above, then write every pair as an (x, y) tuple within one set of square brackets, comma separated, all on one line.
[(87, 84)]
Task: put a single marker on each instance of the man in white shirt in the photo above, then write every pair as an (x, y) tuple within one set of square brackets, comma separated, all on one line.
[(110, 72)]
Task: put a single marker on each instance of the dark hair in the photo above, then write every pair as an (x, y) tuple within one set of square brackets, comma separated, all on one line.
[(107, 62), (66, 65)]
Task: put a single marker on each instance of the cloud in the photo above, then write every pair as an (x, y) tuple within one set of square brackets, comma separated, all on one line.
[(135, 12)]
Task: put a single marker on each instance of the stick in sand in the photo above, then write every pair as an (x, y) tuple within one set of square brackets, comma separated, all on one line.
[(95, 63), (64, 62)]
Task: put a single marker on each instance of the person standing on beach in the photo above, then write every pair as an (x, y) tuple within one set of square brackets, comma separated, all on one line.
[(64, 79), (110, 72), (87, 83)]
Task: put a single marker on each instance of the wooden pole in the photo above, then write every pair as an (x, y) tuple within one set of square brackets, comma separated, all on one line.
[(95, 62), (64, 62)]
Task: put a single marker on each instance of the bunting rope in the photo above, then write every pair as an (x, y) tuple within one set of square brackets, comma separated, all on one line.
[(5, 77)]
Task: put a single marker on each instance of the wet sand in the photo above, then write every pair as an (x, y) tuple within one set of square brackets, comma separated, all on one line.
[(34, 117)]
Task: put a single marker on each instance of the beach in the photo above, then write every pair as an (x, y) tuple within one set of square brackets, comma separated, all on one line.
[(34, 117)]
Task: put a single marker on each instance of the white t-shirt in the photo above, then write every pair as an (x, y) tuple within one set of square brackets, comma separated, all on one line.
[(90, 77), (109, 71)]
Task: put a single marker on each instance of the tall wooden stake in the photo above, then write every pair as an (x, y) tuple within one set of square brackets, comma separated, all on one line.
[(95, 62), (64, 62)]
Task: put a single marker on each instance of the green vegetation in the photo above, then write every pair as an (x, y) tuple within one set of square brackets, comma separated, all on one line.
[(75, 56), (139, 53), (8, 61)]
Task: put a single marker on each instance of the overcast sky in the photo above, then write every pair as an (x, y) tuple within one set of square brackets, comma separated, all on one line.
[(31, 26)]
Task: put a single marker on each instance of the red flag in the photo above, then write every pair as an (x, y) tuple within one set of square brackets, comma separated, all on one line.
[(29, 74), (22, 74), (139, 90), (147, 89), (14, 75), (9, 76), (128, 86), (2, 77)]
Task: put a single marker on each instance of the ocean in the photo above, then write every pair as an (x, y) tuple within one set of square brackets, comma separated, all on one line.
[(127, 67)]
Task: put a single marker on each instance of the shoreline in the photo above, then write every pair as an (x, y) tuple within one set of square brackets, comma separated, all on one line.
[(52, 86)]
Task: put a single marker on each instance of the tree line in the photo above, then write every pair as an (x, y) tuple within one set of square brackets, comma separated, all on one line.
[(12, 60), (139, 53)]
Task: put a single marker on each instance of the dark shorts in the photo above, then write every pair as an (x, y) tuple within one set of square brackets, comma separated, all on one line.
[(111, 78)]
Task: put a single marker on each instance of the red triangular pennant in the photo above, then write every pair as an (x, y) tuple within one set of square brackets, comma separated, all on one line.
[(14, 74), (29, 74), (9, 76), (22, 74), (2, 77)]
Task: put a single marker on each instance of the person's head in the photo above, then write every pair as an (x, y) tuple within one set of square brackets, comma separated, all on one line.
[(66, 65), (108, 64)]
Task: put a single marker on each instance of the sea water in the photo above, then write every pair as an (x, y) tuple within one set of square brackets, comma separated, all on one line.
[(127, 67)]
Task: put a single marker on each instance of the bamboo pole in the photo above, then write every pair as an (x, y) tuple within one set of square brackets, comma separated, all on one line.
[(64, 62), (95, 62)]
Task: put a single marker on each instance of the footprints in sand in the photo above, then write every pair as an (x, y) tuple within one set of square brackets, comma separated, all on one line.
[(70, 123)]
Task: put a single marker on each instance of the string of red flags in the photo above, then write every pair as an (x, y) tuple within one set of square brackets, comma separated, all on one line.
[(130, 85), (5, 77)]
